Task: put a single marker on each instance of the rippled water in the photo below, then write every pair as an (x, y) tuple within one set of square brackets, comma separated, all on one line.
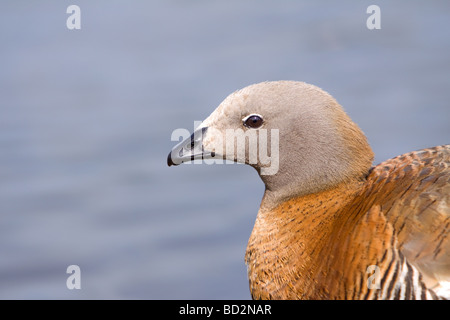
[(87, 115)]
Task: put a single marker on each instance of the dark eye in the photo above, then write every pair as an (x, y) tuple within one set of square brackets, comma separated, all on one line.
[(253, 121)]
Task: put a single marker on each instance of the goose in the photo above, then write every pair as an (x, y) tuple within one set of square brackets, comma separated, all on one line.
[(330, 224)]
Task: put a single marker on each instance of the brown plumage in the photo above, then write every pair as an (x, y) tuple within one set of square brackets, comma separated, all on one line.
[(330, 225), (325, 241)]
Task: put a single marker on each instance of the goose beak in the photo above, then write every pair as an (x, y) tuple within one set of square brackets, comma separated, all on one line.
[(190, 149)]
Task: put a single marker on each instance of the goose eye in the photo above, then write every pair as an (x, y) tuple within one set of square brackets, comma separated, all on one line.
[(253, 121)]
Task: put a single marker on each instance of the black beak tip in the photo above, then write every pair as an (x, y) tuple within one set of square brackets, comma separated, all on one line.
[(169, 160)]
